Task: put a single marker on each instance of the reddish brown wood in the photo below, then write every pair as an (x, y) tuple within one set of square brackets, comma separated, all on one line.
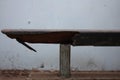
[(73, 37)]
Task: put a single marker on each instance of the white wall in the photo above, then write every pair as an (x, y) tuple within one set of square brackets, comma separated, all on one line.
[(58, 14)]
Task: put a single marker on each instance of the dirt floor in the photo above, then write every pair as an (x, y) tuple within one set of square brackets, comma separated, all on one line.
[(54, 75)]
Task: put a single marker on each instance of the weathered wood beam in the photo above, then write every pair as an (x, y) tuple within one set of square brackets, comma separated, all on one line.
[(97, 39), (73, 37)]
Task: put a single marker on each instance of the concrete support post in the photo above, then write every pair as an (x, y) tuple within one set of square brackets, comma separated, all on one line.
[(65, 60)]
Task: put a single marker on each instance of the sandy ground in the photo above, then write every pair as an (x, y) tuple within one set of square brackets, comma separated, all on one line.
[(54, 75)]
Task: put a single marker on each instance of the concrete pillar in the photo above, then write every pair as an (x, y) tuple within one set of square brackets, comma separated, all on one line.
[(65, 60)]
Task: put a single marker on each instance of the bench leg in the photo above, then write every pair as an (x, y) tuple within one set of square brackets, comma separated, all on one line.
[(65, 60)]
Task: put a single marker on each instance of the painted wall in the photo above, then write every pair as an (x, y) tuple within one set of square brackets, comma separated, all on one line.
[(58, 14)]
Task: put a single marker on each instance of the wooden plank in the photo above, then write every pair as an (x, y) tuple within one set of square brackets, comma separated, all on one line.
[(65, 60), (73, 37), (39, 36), (96, 39)]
